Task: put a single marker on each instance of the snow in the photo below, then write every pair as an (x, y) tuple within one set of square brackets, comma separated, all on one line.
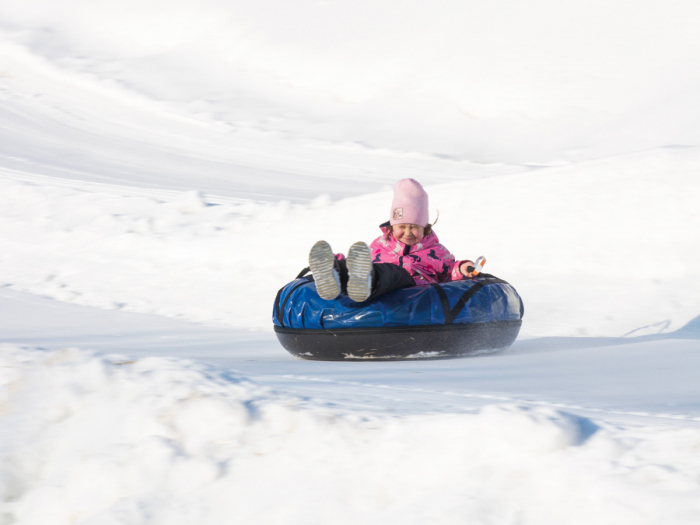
[(624, 379), (164, 169), (579, 243), (497, 82), (110, 439)]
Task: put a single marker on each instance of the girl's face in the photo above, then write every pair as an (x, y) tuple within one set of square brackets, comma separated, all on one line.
[(409, 234)]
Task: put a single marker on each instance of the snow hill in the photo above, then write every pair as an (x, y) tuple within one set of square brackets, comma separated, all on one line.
[(603, 248), (164, 169)]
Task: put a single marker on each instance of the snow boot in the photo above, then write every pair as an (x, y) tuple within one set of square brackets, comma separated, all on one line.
[(322, 265), (359, 272)]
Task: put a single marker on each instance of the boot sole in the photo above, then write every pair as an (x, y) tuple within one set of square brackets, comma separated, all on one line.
[(321, 261), (359, 268)]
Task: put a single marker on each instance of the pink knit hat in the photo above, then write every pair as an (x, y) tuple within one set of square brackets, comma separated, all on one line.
[(410, 205)]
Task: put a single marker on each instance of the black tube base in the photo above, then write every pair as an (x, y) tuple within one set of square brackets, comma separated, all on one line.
[(400, 342)]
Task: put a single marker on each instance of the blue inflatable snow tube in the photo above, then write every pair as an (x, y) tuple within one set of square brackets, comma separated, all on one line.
[(440, 320)]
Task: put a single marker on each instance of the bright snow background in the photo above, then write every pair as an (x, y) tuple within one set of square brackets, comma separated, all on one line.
[(178, 158)]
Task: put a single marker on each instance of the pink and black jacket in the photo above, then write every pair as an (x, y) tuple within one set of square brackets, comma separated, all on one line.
[(427, 261)]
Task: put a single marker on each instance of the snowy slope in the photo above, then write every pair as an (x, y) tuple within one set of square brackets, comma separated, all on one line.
[(498, 82), (602, 248), (626, 380), (68, 124), (323, 93), (113, 439), (164, 168), (572, 429)]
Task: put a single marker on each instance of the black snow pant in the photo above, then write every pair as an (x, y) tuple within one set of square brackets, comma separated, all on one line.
[(385, 277)]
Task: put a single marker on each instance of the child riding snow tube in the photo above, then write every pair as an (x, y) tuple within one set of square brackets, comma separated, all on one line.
[(405, 296)]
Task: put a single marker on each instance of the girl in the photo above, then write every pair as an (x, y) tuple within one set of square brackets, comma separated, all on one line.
[(408, 253)]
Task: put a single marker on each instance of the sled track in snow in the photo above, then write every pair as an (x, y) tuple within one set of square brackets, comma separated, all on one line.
[(485, 397)]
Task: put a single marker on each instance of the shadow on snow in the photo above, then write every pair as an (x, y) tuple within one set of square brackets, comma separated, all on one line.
[(690, 331)]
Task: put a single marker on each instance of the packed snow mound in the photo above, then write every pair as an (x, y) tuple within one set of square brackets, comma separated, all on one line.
[(598, 249), (107, 439)]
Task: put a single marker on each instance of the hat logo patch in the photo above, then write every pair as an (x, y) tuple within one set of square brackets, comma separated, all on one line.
[(398, 214)]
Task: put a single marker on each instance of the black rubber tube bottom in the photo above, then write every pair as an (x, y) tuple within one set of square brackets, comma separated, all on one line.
[(400, 342)]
